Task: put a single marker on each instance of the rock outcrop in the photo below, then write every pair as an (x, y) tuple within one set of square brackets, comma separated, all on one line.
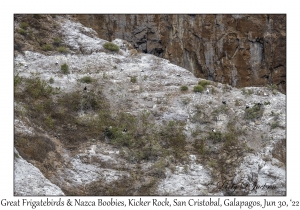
[(239, 50), (29, 181)]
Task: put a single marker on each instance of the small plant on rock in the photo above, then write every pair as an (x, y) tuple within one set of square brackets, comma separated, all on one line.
[(237, 102), (184, 88), (17, 80), (199, 146), (198, 88), (204, 83), (62, 49), (215, 136), (47, 47), (56, 41), (275, 125), (51, 80), (133, 79), (254, 113), (24, 25), (65, 68), (22, 31), (111, 46), (86, 79)]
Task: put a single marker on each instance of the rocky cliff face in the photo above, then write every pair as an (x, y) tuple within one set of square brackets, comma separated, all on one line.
[(69, 123), (240, 50)]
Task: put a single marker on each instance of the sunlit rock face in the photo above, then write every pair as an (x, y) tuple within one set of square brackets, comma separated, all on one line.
[(240, 50)]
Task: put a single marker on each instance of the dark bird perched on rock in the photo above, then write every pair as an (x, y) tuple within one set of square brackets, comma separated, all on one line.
[(223, 102), (26, 66), (247, 107), (125, 130), (84, 88), (56, 63)]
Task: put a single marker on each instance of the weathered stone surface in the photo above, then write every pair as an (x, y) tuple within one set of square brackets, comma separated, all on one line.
[(241, 50), (29, 181)]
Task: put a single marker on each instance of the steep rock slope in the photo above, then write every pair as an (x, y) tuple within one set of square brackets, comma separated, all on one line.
[(30, 181), (239, 50), (70, 125)]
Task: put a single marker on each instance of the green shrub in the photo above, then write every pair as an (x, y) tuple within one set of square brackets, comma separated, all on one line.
[(184, 88), (31, 33), (22, 31), (250, 92), (173, 138), (17, 80), (253, 113), (267, 103), (203, 83), (274, 125), (243, 91), (16, 155), (24, 25), (133, 79), (198, 88), (121, 139), (56, 41), (49, 122), (51, 80), (104, 75), (111, 46), (47, 47), (65, 68), (199, 146), (272, 87), (215, 136), (62, 49), (38, 88), (185, 101), (86, 79), (200, 115), (212, 163)]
